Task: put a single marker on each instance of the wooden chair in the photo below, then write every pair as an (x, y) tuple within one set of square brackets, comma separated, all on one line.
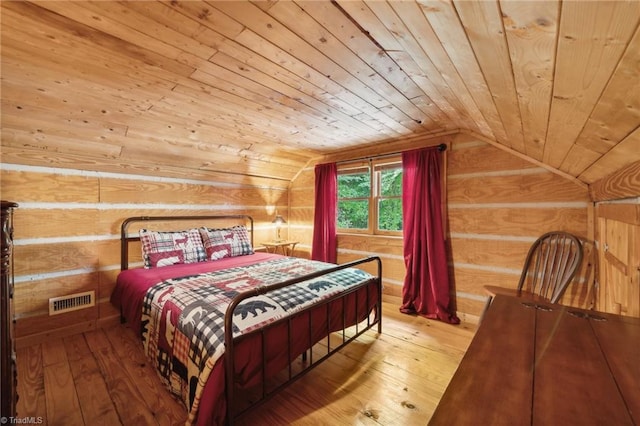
[(549, 267)]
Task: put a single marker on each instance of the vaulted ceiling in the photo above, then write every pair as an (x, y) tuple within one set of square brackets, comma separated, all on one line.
[(261, 88)]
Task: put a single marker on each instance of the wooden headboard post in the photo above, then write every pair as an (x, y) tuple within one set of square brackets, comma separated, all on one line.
[(125, 239)]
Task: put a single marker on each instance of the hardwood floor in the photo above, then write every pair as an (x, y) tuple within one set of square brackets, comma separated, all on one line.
[(101, 377)]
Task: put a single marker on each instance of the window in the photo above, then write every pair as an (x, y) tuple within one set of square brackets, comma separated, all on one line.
[(371, 193), (389, 196), (354, 196)]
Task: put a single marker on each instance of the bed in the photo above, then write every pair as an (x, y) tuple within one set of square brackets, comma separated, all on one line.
[(226, 326)]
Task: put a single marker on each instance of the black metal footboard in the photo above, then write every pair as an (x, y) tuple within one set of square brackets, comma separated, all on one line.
[(352, 325)]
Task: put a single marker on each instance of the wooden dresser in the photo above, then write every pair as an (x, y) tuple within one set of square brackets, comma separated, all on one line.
[(7, 349)]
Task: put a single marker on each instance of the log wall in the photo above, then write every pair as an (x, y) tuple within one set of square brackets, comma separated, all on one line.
[(67, 226), (67, 232), (498, 204)]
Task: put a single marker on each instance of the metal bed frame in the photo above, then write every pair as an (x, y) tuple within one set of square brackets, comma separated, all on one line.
[(345, 334)]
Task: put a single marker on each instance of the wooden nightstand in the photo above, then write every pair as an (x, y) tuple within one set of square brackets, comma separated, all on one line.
[(284, 247)]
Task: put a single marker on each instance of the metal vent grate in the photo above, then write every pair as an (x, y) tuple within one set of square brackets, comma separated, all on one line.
[(72, 302)]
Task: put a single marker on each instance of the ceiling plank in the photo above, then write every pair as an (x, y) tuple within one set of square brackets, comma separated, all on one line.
[(415, 20), (280, 35), (623, 183), (308, 75), (388, 31), (625, 153), (451, 36), (321, 39), (91, 15), (34, 21), (50, 69), (593, 37), (352, 37), (280, 96), (482, 22), (233, 55), (139, 22), (615, 116), (531, 31)]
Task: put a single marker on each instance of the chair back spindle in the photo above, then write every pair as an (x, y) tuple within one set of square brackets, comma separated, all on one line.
[(550, 265)]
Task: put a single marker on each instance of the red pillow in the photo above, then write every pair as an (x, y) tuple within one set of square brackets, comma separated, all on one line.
[(166, 258), (219, 251)]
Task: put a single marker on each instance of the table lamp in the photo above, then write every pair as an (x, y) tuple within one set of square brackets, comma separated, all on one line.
[(279, 221)]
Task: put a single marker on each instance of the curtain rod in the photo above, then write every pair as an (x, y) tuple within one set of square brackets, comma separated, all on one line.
[(441, 147)]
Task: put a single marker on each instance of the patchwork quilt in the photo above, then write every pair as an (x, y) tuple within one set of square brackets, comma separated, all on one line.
[(183, 318)]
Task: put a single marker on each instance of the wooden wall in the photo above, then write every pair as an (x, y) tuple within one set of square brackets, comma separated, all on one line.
[(67, 225), (618, 239), (618, 236), (498, 204), (67, 232)]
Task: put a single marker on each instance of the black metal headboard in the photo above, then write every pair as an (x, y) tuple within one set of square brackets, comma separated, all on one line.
[(125, 240)]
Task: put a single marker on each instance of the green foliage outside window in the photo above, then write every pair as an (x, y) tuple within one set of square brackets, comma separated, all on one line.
[(353, 214), (354, 190), (355, 194), (390, 209)]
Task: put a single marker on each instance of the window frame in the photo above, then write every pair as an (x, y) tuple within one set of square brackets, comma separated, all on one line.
[(374, 167), (377, 168), (351, 168)]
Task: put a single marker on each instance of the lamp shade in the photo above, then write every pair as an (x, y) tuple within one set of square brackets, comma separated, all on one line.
[(279, 220)]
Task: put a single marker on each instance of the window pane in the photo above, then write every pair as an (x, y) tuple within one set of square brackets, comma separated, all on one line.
[(354, 185), (390, 214), (391, 182), (353, 214)]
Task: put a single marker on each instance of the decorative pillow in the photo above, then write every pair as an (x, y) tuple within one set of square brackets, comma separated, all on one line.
[(166, 258), (218, 252), (188, 242), (237, 238)]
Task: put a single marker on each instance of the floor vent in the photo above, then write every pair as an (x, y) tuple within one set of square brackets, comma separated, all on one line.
[(72, 302)]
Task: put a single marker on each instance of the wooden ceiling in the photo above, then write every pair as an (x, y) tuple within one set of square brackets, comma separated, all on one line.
[(261, 88)]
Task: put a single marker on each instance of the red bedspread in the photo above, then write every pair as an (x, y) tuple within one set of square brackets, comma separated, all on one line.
[(132, 284), (186, 351)]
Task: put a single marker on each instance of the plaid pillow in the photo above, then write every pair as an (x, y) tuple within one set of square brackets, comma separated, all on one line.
[(236, 237), (188, 242), (166, 258), (218, 252)]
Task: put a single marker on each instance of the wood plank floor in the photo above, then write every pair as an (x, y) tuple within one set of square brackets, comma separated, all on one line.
[(101, 377)]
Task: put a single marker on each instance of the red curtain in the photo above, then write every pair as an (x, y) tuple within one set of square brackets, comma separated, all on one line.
[(426, 284), (325, 245)]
